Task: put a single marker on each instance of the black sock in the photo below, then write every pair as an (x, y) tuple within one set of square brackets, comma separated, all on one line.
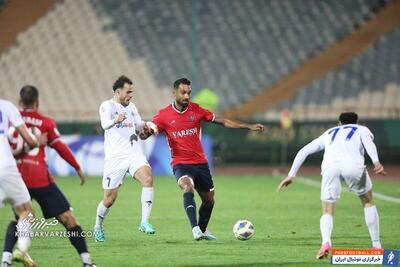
[(10, 238), (190, 207), (205, 214), (77, 239)]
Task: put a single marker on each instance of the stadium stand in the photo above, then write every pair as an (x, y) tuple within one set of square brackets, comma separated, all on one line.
[(243, 46), (74, 63), (78, 48), (368, 84)]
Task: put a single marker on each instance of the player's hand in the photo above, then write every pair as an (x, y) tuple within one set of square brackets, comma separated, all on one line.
[(257, 127), (120, 118), (42, 139), (284, 183), (378, 168), (144, 132), (81, 176)]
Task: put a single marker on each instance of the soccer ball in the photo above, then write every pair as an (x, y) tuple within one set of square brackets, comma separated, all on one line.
[(243, 230)]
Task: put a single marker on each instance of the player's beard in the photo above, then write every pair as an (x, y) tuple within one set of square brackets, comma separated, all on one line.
[(125, 101), (184, 103)]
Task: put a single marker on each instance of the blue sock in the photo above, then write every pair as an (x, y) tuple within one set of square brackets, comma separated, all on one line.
[(10, 238), (205, 211), (190, 207)]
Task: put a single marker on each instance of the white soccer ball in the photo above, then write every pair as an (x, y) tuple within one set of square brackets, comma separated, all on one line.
[(243, 230)]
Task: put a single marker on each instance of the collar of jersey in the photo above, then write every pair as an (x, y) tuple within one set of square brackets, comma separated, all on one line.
[(181, 112), (115, 102), (27, 109)]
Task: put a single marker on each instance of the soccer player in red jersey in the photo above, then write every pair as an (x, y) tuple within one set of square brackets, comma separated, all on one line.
[(38, 179), (181, 123)]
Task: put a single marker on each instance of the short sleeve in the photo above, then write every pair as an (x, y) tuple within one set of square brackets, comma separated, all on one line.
[(52, 132), (206, 115), (13, 115), (157, 120)]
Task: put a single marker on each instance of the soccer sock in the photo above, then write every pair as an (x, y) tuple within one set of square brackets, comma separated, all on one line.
[(78, 241), (147, 203), (326, 225), (7, 257), (190, 207), (102, 211), (24, 235), (372, 221), (10, 239), (205, 214)]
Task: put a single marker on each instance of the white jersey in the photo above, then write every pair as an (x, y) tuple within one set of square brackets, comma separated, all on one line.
[(120, 140), (345, 143), (8, 114)]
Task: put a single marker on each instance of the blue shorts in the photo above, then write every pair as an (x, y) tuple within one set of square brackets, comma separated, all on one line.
[(51, 200), (199, 173)]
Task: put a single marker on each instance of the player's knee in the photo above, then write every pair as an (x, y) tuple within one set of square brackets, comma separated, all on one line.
[(209, 202), (67, 219), (367, 199), (24, 210), (187, 187), (147, 181)]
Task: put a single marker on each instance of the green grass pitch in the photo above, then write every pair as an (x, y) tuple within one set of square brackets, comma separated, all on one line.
[(287, 225)]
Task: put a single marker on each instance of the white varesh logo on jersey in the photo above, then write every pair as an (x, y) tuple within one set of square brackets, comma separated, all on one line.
[(184, 133)]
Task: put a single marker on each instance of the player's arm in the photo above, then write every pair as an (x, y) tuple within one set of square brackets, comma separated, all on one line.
[(369, 145), (313, 147), (153, 127), (30, 139), (65, 153), (235, 124), (106, 118)]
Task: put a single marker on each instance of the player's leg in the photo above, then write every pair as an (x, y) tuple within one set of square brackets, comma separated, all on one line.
[(371, 218), (109, 197), (183, 174), (330, 193), (25, 214), (75, 235), (205, 210), (114, 172), (144, 176), (13, 188), (10, 240), (359, 182), (205, 188)]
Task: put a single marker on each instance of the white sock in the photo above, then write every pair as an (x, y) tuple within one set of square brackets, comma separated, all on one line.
[(372, 221), (24, 235), (85, 257), (102, 211), (326, 226), (7, 257), (147, 203)]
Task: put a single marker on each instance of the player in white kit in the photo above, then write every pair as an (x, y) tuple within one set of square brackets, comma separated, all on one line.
[(343, 159), (12, 187), (121, 122)]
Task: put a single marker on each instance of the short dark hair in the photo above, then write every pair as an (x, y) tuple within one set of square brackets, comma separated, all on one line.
[(28, 95), (181, 81), (348, 118), (119, 83)]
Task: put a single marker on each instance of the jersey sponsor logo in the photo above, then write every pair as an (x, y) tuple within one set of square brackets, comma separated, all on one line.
[(33, 121), (124, 125), (185, 133)]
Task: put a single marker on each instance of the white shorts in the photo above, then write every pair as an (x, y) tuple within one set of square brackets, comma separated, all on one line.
[(12, 187), (356, 178), (115, 169)]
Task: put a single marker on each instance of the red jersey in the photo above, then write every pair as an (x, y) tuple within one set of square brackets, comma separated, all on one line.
[(32, 164), (183, 132)]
